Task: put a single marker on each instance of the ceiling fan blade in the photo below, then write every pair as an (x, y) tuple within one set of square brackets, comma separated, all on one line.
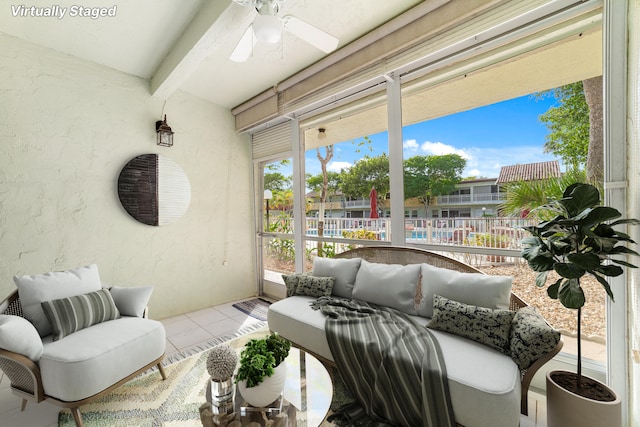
[(312, 35), (244, 48)]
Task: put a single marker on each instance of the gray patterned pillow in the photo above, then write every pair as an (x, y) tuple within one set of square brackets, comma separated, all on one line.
[(291, 282), (314, 286), (487, 326), (531, 337)]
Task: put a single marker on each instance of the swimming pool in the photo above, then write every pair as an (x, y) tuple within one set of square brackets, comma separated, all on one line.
[(415, 234)]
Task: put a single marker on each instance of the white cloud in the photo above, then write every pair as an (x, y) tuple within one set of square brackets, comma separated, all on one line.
[(439, 149), (482, 161), (410, 145), (486, 162), (338, 166)]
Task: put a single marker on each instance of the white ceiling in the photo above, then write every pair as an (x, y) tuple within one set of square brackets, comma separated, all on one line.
[(185, 44)]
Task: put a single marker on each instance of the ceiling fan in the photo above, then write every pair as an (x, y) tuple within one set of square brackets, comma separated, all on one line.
[(267, 28)]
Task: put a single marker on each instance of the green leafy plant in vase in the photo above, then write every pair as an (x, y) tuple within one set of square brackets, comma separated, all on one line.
[(261, 374), (580, 239)]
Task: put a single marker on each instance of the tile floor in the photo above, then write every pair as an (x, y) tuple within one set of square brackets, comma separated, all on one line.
[(183, 332)]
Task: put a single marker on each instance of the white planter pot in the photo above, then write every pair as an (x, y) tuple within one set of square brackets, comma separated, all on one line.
[(268, 390), (567, 409)]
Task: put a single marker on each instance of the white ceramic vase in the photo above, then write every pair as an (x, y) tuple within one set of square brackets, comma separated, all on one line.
[(566, 409), (268, 390)]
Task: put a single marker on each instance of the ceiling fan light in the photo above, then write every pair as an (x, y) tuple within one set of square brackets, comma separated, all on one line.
[(267, 28)]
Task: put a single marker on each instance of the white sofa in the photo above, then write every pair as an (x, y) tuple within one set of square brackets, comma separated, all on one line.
[(66, 339), (487, 386)]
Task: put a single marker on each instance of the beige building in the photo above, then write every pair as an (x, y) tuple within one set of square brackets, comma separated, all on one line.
[(474, 198)]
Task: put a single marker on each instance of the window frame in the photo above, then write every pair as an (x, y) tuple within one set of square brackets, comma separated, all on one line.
[(615, 99)]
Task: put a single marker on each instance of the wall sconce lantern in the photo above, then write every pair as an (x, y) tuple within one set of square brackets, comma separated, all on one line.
[(164, 132)]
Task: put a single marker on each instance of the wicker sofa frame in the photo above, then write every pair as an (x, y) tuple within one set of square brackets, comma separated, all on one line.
[(405, 255), (25, 379)]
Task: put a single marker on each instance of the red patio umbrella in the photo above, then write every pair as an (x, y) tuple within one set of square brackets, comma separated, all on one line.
[(373, 202)]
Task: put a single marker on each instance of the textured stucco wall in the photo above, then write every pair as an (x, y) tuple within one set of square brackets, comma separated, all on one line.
[(67, 127)]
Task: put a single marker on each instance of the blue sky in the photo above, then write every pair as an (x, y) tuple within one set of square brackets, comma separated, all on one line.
[(501, 134)]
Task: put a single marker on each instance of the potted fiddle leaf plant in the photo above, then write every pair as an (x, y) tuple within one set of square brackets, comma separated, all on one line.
[(262, 372), (580, 239)]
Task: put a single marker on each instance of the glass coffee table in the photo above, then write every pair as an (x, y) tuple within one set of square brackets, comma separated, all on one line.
[(304, 403)]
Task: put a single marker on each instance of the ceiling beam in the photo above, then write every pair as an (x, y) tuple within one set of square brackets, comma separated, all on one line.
[(210, 27)]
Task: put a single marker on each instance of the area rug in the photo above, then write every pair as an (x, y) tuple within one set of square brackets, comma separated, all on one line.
[(207, 345), (256, 308), (150, 402)]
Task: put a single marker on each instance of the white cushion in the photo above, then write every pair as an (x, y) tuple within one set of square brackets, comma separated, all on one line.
[(294, 319), (343, 270), (19, 336), (34, 289), (131, 301), (484, 384), (477, 289), (391, 285), (92, 359)]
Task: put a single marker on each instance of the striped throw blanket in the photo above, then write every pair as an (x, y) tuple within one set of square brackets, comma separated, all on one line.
[(391, 364)]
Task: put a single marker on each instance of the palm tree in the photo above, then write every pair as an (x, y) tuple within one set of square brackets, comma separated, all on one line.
[(283, 200), (525, 197)]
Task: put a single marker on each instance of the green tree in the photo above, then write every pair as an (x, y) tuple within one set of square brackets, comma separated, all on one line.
[(576, 135), (568, 125), (283, 200), (368, 172), (426, 177), (275, 181), (274, 167), (361, 144), (314, 182)]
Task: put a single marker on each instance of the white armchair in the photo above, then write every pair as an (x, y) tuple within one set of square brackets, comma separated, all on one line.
[(83, 358)]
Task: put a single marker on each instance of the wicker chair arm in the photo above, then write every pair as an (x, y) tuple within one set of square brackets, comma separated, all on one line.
[(516, 303), (24, 375), (8, 301), (531, 371)]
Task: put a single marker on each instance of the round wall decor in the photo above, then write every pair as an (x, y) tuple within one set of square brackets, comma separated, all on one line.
[(154, 189)]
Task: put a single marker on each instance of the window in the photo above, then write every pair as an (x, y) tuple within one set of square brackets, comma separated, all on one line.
[(468, 222), (347, 174)]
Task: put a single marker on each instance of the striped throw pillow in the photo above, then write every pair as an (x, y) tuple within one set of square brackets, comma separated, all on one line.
[(69, 315)]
